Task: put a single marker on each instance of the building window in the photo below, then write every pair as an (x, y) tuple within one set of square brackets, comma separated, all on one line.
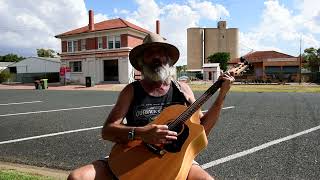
[(75, 66), (75, 46), (114, 42), (272, 69), (290, 69), (99, 42), (83, 44), (69, 46), (72, 46), (110, 42), (117, 42)]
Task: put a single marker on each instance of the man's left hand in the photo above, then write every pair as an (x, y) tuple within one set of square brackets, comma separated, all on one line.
[(228, 79)]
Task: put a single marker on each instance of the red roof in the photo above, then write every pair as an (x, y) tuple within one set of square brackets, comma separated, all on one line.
[(105, 25), (259, 56)]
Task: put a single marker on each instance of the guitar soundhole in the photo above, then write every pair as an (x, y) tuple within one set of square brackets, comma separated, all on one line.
[(183, 133)]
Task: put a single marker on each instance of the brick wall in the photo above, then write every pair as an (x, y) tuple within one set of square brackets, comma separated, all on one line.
[(124, 40), (134, 41)]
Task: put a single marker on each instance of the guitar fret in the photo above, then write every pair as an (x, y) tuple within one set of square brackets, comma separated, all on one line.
[(195, 106)]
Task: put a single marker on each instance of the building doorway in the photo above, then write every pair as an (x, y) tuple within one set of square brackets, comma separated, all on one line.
[(110, 68)]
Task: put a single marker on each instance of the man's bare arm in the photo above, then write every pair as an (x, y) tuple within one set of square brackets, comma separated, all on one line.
[(114, 130), (210, 118)]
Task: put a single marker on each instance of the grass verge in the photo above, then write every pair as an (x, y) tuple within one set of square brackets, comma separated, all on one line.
[(263, 88), (14, 175)]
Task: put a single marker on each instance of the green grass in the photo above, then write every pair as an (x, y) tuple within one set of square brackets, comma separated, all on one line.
[(263, 88), (16, 175)]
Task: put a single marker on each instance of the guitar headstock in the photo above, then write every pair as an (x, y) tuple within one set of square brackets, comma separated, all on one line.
[(241, 67)]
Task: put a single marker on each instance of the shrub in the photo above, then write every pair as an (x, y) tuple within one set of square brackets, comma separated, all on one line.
[(4, 76)]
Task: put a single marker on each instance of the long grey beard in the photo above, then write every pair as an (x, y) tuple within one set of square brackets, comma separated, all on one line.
[(162, 73)]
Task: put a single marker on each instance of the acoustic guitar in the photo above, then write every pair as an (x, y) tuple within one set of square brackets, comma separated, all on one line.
[(138, 160)]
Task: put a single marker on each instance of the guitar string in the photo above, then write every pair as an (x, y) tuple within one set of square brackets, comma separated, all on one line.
[(197, 104), (190, 110)]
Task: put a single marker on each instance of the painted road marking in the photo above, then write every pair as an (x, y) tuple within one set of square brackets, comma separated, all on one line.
[(49, 135), (54, 110), (58, 133), (8, 104), (230, 107), (258, 148)]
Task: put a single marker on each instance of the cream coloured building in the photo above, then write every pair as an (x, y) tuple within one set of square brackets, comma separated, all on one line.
[(203, 42)]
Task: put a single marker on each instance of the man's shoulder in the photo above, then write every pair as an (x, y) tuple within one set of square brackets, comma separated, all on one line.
[(128, 88)]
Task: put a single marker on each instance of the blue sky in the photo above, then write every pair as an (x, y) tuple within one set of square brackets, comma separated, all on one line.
[(263, 24)]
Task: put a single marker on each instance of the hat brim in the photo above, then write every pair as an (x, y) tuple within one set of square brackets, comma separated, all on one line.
[(137, 53)]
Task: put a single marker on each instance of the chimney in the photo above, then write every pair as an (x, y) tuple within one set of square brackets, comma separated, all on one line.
[(91, 20), (158, 27)]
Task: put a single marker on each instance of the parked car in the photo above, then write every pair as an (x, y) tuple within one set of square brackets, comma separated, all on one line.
[(183, 78)]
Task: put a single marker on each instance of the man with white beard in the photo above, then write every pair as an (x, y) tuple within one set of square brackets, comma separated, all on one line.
[(141, 101)]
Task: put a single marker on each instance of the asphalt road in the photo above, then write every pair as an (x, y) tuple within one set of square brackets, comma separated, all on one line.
[(255, 138)]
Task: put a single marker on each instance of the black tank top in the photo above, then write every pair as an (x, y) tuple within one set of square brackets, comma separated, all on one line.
[(144, 108)]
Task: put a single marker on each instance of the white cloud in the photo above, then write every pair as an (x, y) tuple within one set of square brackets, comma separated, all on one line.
[(207, 9), (146, 14), (281, 29), (175, 19), (120, 11), (100, 17), (34, 23), (26, 26)]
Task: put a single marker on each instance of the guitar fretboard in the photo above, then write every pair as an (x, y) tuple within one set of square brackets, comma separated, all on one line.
[(195, 106)]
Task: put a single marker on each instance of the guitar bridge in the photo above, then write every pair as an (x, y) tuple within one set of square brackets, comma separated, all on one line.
[(155, 149)]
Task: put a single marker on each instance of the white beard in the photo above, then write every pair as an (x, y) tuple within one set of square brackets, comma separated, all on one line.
[(162, 73)]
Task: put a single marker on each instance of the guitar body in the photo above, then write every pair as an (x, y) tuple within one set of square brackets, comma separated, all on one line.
[(134, 161)]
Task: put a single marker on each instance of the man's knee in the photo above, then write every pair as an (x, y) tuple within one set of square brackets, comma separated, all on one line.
[(86, 172), (74, 175), (197, 173)]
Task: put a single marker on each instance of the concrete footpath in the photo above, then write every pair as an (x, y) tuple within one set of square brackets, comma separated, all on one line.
[(54, 173), (58, 86)]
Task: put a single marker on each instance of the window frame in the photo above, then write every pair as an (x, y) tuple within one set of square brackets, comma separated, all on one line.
[(100, 43), (69, 46), (72, 67), (114, 41), (110, 40), (74, 46)]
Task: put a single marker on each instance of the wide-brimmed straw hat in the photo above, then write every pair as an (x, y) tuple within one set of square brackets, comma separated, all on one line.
[(153, 40)]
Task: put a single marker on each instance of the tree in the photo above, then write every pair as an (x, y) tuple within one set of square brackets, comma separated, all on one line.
[(181, 69), (220, 57), (45, 53), (312, 58), (11, 58)]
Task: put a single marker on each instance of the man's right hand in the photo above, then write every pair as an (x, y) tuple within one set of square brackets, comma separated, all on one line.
[(156, 134)]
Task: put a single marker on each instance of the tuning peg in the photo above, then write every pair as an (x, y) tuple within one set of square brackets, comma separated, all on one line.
[(242, 59), (251, 67)]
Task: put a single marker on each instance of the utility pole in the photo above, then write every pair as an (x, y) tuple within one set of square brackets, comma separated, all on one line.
[(300, 63)]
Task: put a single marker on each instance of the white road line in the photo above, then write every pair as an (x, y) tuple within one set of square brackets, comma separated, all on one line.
[(54, 110), (20, 103), (56, 134), (230, 107), (49, 135), (258, 148)]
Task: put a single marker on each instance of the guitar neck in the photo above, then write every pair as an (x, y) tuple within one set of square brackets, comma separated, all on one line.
[(196, 105)]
